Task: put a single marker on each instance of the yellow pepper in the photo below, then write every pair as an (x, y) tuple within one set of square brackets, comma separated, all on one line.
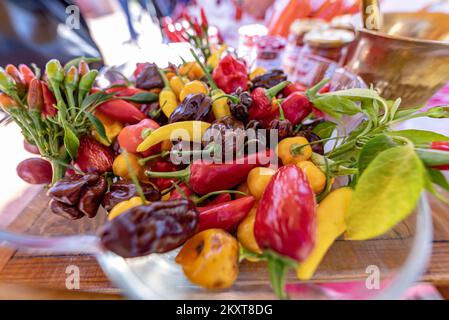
[(120, 167), (166, 196), (330, 225), (112, 128), (121, 207), (257, 72), (293, 150), (245, 232), (192, 87), (220, 106), (187, 130), (167, 98), (177, 83), (192, 70), (258, 179), (316, 177), (215, 57), (210, 259)]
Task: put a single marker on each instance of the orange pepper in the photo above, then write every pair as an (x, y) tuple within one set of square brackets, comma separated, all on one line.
[(210, 259)]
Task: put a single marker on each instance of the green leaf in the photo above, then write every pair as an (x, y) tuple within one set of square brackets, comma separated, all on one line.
[(71, 142), (386, 193), (373, 148), (419, 137), (142, 97), (336, 106), (312, 92), (99, 127), (394, 106), (432, 157), (435, 177), (438, 112), (324, 129), (438, 178), (406, 112), (95, 99)]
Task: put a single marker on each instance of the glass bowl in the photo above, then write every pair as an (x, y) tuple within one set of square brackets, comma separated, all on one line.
[(382, 268)]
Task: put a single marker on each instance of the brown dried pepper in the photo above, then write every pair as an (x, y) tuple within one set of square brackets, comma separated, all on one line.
[(156, 228)]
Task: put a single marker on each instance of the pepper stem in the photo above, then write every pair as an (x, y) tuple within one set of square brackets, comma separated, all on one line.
[(270, 93), (216, 193), (277, 270), (233, 99), (281, 112), (206, 72), (164, 79), (181, 174)]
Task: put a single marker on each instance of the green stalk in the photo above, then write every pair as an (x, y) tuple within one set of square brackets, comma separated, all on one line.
[(211, 82)]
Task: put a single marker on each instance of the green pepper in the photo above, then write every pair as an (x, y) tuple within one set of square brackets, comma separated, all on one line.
[(86, 84)]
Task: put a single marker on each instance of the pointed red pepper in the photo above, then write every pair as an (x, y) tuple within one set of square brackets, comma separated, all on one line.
[(204, 177), (262, 101), (121, 110), (49, 109), (204, 22), (35, 98), (27, 73), (225, 215), (285, 223)]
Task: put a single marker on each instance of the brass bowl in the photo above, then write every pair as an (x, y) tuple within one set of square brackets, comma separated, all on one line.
[(407, 58)]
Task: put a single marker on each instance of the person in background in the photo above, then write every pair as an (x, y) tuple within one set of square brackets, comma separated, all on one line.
[(34, 31)]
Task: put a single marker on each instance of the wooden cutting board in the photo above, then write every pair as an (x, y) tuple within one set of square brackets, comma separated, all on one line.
[(346, 260)]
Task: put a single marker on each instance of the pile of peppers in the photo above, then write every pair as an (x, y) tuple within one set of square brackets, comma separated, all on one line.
[(119, 150)]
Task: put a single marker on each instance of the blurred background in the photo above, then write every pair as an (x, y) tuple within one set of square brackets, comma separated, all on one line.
[(124, 30)]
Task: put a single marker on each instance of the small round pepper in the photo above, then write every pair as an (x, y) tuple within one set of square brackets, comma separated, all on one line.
[(210, 259), (192, 87), (293, 150), (192, 70), (245, 232), (316, 177), (121, 207), (177, 83), (120, 167), (258, 179)]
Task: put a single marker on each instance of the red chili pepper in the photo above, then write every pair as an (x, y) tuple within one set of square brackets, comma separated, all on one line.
[(262, 106), (176, 194), (285, 222), (21, 85), (204, 22), (296, 107), (442, 146), (121, 110), (128, 92), (163, 166), (225, 215), (49, 109), (131, 136), (205, 176), (225, 197), (230, 74), (35, 98), (27, 73)]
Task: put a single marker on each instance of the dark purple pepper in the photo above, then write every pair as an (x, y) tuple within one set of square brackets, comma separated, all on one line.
[(284, 128), (123, 190), (196, 106), (68, 190), (92, 196), (149, 77), (269, 79), (155, 228), (65, 211)]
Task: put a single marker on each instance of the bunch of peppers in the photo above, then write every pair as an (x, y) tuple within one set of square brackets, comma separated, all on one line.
[(219, 212)]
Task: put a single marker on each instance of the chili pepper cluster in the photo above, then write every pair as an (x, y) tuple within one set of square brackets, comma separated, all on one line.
[(116, 147)]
